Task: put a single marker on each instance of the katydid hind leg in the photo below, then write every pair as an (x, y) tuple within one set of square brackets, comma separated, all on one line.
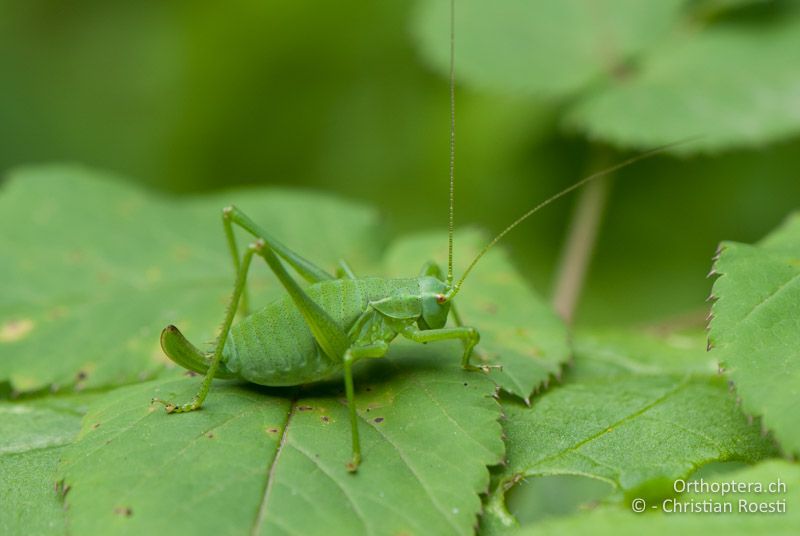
[(307, 269), (326, 332), (230, 237), (238, 290), (345, 271)]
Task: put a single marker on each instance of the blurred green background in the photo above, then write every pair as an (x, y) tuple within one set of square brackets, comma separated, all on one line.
[(352, 98)]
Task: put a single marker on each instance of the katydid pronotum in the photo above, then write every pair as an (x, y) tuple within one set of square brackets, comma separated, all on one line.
[(321, 330)]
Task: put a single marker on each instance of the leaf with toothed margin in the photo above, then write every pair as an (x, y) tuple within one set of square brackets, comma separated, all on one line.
[(33, 434), (755, 329), (621, 521), (518, 329), (273, 461), (100, 267), (626, 419)]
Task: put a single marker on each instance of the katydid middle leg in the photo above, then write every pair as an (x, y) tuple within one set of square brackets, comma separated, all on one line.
[(353, 354)]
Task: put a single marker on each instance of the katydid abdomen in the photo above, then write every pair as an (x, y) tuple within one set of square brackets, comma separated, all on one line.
[(274, 345)]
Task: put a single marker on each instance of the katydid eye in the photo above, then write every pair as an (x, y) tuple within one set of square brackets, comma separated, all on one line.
[(440, 298)]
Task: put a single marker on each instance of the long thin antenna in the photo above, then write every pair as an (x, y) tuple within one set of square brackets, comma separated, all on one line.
[(562, 193), (452, 139)]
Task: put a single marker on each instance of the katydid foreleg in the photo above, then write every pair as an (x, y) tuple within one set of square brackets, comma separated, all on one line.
[(469, 336)]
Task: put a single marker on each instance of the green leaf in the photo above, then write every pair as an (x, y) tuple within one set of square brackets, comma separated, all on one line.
[(734, 85), (636, 430), (615, 352), (32, 438), (755, 330), (270, 461), (621, 521), (518, 329), (99, 267), (543, 48), (633, 74)]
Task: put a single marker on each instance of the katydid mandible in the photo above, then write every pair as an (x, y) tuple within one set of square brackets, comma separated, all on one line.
[(321, 330)]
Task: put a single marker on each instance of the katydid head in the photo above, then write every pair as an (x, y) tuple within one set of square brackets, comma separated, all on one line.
[(435, 305)]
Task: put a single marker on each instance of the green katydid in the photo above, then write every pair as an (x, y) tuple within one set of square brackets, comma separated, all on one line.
[(322, 330)]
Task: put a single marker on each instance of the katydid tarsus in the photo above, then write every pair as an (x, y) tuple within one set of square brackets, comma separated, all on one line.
[(322, 329)]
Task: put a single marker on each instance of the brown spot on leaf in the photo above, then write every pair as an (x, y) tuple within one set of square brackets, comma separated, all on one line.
[(123, 511), (75, 256), (56, 312), (95, 426), (190, 373), (534, 351), (181, 253), (304, 408), (326, 419), (273, 430), (14, 330), (378, 419)]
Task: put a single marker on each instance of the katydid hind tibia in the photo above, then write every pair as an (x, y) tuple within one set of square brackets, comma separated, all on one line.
[(321, 330)]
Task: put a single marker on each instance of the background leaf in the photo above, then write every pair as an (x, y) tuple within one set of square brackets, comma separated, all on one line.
[(622, 424), (518, 329), (636, 74), (269, 461), (756, 327), (689, 87), (543, 48)]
